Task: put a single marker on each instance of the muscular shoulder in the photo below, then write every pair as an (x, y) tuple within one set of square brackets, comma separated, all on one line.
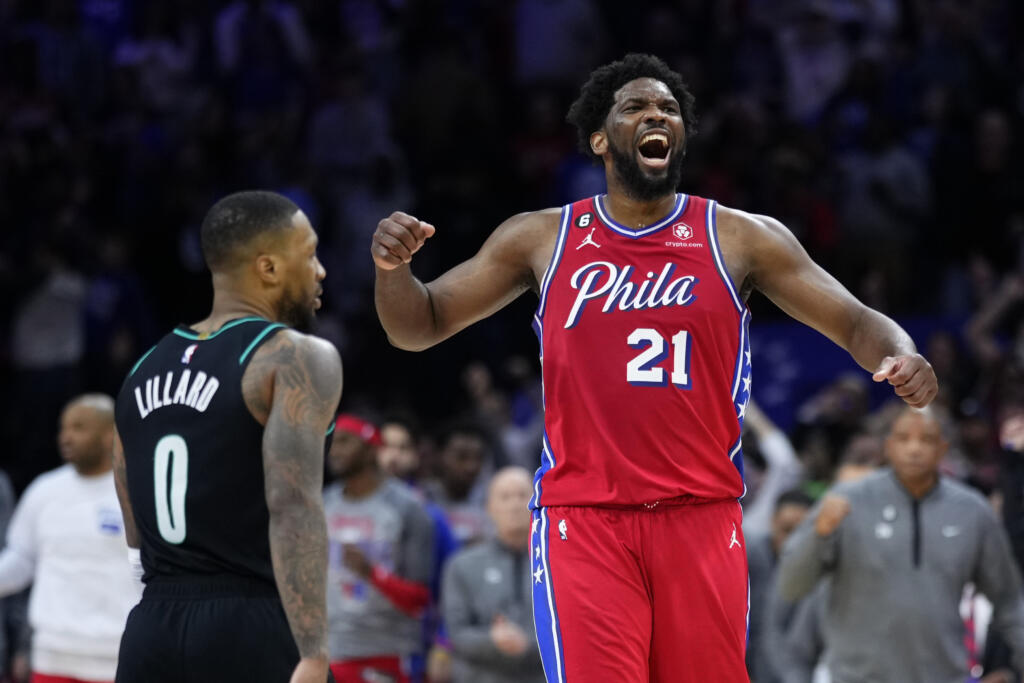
[(525, 243), (753, 244), (290, 357), (525, 233), (531, 223)]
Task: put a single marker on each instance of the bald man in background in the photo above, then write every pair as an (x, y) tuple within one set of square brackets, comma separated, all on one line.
[(67, 540), (486, 593), (900, 546)]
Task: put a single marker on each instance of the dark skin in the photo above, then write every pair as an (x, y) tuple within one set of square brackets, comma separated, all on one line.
[(85, 438), (291, 386), (759, 252)]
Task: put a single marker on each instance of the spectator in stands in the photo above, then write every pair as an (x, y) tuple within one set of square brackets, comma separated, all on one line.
[(380, 559), (763, 551), (458, 490), (14, 631), (487, 589), (67, 539), (398, 454), (782, 472), (793, 639), (899, 546)]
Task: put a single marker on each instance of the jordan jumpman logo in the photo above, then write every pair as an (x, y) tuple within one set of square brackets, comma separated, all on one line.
[(589, 239), (734, 541)]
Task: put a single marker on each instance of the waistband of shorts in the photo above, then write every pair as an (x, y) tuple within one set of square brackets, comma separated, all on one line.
[(199, 587), (685, 500)]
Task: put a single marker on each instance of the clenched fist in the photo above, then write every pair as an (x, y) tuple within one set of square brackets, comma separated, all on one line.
[(397, 238), (911, 376), (833, 511)]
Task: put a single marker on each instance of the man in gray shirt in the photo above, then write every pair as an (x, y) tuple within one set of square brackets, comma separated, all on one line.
[(486, 594), (900, 545), (380, 555)]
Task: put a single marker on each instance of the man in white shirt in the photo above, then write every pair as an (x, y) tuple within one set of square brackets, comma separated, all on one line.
[(66, 538)]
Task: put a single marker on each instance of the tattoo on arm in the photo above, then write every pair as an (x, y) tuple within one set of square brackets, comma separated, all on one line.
[(131, 531), (306, 386)]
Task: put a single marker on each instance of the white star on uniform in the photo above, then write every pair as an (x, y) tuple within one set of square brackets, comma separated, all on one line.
[(748, 356), (534, 529), (536, 551), (537, 574), (746, 383), (743, 409)]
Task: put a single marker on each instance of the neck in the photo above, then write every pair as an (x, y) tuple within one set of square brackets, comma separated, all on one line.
[(517, 541), (94, 469), (230, 301), (362, 484), (634, 213), (920, 487)]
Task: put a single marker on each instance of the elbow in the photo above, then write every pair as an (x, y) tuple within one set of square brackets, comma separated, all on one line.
[(408, 344), (412, 342)]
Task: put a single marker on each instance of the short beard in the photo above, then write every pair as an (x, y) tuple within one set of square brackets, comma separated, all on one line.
[(641, 187), (297, 315)]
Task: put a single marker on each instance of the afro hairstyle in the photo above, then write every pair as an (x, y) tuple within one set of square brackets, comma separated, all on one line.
[(589, 111)]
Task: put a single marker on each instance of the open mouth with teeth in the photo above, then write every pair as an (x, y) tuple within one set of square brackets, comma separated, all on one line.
[(654, 148)]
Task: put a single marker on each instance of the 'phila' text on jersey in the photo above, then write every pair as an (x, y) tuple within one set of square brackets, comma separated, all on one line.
[(604, 279)]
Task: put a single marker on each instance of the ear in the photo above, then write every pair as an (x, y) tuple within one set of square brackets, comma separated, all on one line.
[(268, 270), (599, 142)]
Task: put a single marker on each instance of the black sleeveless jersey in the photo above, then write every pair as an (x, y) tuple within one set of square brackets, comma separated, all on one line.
[(193, 454)]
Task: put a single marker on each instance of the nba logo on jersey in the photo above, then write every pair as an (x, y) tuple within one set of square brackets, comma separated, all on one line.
[(682, 231), (186, 357), (562, 530)]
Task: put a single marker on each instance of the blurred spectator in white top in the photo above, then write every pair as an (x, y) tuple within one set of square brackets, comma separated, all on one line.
[(67, 539)]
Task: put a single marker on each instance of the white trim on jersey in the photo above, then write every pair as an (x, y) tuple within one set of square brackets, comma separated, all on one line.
[(556, 258), (677, 210), (712, 224)]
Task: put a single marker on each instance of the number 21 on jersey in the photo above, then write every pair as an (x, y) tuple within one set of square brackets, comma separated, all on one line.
[(644, 370)]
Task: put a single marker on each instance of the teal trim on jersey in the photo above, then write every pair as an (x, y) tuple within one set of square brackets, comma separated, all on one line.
[(258, 339), (139, 361), (195, 337), (330, 430)]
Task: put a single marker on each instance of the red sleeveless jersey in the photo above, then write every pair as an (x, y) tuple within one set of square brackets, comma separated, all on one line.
[(646, 361)]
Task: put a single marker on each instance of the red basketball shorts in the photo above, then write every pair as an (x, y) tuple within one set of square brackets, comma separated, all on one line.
[(47, 678), (641, 595), (369, 669)]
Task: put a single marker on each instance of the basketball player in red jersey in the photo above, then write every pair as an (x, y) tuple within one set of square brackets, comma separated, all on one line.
[(639, 563)]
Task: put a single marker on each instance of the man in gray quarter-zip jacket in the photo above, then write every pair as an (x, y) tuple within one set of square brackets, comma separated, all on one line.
[(900, 545), (486, 596)]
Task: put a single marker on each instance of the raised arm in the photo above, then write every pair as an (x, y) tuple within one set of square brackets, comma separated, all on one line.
[(417, 315), (306, 387), (778, 266)]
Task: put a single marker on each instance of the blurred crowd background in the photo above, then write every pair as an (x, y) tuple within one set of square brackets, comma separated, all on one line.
[(886, 134)]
